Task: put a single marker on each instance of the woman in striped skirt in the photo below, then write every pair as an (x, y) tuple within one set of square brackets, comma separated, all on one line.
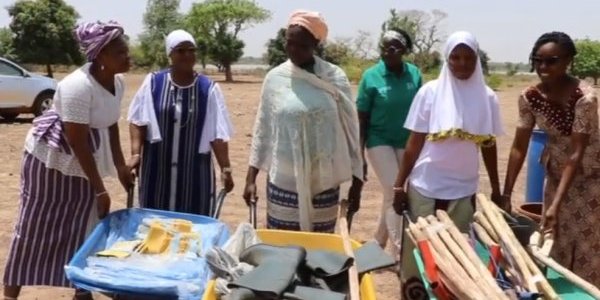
[(177, 117), (306, 135), (67, 153)]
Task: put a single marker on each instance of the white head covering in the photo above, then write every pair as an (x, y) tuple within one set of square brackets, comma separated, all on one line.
[(177, 37), (469, 105)]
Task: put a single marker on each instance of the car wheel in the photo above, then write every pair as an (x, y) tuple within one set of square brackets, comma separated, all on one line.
[(9, 116), (42, 103)]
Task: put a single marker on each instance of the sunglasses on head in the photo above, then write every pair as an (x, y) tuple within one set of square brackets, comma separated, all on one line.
[(549, 61)]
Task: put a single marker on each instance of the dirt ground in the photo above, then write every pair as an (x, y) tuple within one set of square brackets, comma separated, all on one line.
[(242, 99)]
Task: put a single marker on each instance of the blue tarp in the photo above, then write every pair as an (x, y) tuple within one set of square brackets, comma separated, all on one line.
[(183, 277)]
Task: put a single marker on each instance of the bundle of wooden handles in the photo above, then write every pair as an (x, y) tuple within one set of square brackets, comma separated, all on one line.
[(460, 269), (493, 230)]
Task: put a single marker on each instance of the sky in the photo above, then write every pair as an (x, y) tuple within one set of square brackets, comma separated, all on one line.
[(506, 29)]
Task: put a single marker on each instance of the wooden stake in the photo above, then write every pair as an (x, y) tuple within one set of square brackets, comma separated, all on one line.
[(572, 277), (352, 271), (477, 268), (455, 270), (511, 246), (484, 236)]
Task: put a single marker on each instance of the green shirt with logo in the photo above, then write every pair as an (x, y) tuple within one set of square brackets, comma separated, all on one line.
[(387, 97)]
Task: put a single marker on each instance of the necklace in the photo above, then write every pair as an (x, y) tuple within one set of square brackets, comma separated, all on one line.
[(177, 95)]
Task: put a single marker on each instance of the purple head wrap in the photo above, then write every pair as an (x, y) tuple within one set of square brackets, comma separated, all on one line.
[(93, 36)]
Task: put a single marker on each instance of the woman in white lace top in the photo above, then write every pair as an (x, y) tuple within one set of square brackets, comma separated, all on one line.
[(67, 153)]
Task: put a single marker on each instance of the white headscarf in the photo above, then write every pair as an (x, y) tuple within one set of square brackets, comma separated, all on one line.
[(177, 37), (469, 105)]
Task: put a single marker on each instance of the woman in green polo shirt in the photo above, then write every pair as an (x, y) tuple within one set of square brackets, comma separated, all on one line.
[(385, 94)]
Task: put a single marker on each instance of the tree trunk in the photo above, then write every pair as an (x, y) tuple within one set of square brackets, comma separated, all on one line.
[(595, 81), (49, 70), (228, 74)]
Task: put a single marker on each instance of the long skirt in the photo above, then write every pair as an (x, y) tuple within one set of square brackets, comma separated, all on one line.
[(577, 236), (53, 220), (283, 212)]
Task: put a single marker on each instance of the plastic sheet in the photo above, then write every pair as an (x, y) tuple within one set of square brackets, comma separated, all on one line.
[(184, 276)]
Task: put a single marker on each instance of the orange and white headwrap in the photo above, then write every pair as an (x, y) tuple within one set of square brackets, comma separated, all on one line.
[(312, 21)]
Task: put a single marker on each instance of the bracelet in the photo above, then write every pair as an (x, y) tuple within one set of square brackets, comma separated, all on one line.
[(398, 189), (135, 155), (226, 170), (101, 193)]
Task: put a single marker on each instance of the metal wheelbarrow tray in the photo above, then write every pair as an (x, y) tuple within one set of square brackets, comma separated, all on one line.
[(97, 241)]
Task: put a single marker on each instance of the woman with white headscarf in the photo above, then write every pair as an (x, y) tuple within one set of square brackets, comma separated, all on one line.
[(451, 120), (176, 118)]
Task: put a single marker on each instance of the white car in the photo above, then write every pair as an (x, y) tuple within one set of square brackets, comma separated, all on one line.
[(22, 91)]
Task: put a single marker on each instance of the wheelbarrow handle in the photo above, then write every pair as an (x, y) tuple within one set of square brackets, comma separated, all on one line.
[(130, 192), (219, 203), (252, 207)]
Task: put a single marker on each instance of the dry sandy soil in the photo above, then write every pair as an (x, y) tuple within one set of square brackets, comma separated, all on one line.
[(242, 99)]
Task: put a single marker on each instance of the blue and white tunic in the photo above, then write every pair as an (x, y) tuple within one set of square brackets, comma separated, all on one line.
[(177, 172)]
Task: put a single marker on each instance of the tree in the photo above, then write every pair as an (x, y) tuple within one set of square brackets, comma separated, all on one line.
[(511, 69), (362, 46), (485, 59), (276, 49), (587, 61), (336, 52), (6, 44), (423, 28), (43, 32), (161, 17), (218, 22)]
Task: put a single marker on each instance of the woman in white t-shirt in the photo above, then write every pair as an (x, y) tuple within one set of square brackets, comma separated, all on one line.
[(450, 119), (70, 148)]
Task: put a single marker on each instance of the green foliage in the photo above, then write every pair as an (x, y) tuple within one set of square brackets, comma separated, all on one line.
[(337, 52), (485, 59), (355, 67), (587, 61), (275, 54), (6, 44), (161, 17), (217, 23), (43, 32), (494, 81), (511, 69)]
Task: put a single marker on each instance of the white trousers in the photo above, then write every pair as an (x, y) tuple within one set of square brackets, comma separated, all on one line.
[(385, 161)]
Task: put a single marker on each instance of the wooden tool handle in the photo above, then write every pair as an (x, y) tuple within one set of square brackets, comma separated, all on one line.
[(353, 270)]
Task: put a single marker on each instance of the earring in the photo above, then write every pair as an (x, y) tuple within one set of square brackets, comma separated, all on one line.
[(101, 67)]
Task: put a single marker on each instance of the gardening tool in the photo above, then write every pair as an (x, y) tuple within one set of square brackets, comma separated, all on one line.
[(540, 246)]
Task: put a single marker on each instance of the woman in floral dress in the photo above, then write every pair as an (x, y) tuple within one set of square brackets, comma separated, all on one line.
[(567, 110)]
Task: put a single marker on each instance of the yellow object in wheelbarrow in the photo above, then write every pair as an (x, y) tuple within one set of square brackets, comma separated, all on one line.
[(157, 241), (310, 241)]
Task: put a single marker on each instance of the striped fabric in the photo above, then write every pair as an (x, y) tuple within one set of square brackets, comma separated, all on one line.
[(282, 209), (49, 129), (195, 172), (51, 225)]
